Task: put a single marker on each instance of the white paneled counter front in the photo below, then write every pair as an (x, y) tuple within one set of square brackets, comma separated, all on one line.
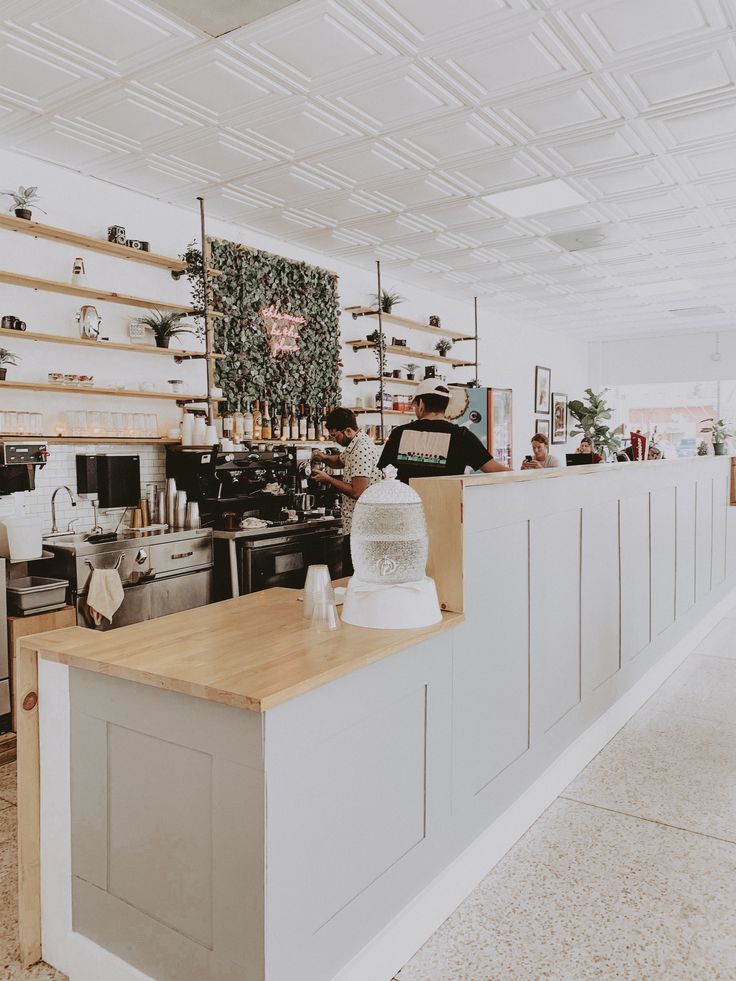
[(282, 810)]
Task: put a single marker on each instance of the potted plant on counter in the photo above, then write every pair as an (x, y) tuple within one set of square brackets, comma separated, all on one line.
[(165, 324), (6, 357), (719, 434), (589, 416), (411, 370), (23, 198)]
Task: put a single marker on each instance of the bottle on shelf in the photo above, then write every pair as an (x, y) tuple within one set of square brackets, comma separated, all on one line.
[(247, 422), (266, 421), (325, 433), (218, 427), (293, 424), (311, 428), (285, 421), (275, 423), (227, 423), (302, 423), (238, 426), (257, 420)]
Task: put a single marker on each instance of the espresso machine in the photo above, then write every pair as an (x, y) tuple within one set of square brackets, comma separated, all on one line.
[(18, 464), (297, 519)]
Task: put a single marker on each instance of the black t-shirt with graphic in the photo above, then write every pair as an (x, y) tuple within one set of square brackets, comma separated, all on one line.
[(433, 448)]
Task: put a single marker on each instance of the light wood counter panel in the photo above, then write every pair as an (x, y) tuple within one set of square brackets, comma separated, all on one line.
[(251, 652)]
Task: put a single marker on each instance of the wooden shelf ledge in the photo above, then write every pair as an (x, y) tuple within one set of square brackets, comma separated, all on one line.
[(92, 390), (391, 318), (39, 230), (122, 440), (393, 381), (53, 286), (409, 353), (171, 352)]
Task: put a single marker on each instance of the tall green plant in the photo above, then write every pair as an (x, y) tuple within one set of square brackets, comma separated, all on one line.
[(589, 415)]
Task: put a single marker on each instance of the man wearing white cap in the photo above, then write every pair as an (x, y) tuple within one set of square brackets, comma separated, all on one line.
[(432, 446)]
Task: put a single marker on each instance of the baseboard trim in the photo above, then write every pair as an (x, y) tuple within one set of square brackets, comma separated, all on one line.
[(389, 951)]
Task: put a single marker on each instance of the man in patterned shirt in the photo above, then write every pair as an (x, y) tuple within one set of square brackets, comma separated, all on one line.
[(358, 460)]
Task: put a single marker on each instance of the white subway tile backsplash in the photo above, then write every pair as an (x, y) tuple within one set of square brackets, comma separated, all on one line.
[(61, 469)]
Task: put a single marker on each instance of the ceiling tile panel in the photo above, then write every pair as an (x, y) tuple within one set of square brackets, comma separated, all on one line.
[(374, 128), (616, 29), (111, 36), (666, 82), (560, 111)]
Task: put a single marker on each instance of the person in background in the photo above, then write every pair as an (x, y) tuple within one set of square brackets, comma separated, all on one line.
[(654, 452), (432, 446), (358, 461), (587, 447), (541, 458)]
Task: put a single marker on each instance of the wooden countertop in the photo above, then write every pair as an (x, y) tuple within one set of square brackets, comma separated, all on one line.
[(517, 476), (251, 652)]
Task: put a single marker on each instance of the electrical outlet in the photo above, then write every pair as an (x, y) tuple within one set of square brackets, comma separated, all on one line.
[(136, 332)]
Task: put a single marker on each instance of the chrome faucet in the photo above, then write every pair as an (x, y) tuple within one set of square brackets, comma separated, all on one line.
[(54, 526)]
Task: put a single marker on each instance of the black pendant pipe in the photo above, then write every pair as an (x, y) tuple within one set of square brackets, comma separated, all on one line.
[(381, 347)]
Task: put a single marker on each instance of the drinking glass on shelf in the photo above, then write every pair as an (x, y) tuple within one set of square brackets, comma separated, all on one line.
[(80, 424), (152, 425), (94, 424), (3, 422), (24, 424), (11, 422), (129, 424), (108, 424), (36, 428), (118, 420), (139, 424)]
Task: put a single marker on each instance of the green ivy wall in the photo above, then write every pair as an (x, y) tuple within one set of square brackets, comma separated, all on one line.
[(251, 280)]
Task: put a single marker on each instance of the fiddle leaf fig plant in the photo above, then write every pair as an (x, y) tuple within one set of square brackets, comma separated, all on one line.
[(590, 415)]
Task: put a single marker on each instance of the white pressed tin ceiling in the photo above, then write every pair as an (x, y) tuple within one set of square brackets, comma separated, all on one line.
[(393, 129)]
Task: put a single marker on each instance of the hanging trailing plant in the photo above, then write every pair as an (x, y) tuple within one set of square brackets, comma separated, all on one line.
[(193, 258), (252, 285)]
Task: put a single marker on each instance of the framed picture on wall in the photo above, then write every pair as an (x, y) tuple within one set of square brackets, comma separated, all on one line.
[(559, 417), (542, 382), (542, 426)]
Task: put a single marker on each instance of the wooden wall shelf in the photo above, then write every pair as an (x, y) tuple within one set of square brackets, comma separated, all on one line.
[(40, 230), (391, 318), (408, 353), (32, 335), (53, 286), (111, 440), (92, 390), (360, 411), (357, 379)]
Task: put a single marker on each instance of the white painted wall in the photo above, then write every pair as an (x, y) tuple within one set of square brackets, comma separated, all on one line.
[(508, 352), (669, 358)]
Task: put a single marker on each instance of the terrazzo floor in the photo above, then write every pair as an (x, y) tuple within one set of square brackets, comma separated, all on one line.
[(629, 876)]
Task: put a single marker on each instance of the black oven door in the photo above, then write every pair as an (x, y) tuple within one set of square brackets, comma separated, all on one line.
[(284, 561)]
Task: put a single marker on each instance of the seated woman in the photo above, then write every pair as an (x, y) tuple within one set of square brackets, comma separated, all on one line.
[(587, 447)]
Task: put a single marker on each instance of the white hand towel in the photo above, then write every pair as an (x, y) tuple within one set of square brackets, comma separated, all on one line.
[(105, 594)]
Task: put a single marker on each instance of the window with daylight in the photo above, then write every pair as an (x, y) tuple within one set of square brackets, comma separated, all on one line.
[(672, 412)]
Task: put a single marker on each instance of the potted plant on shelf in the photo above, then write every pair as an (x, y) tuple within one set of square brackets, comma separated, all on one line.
[(6, 357), (165, 324), (589, 416), (23, 198), (719, 434), (386, 300), (443, 346), (411, 370)]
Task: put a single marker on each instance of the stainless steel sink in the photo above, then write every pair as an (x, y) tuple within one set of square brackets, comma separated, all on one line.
[(74, 539)]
